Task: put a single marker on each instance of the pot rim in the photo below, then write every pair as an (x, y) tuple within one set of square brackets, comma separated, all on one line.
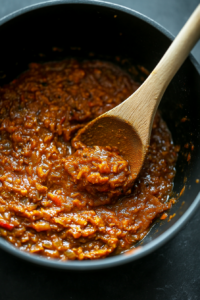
[(143, 250)]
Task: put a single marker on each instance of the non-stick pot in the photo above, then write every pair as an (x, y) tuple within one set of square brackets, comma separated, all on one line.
[(95, 29)]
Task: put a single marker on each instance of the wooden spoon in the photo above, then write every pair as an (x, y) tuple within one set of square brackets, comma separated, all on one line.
[(128, 126)]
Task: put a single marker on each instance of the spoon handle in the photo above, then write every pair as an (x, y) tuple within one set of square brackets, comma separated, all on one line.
[(140, 108), (179, 50)]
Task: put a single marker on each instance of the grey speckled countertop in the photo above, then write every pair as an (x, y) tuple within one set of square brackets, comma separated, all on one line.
[(170, 273)]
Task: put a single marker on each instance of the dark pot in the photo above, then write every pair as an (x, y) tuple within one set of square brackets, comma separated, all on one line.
[(107, 30)]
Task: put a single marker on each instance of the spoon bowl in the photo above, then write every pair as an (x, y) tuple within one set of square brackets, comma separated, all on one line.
[(112, 131)]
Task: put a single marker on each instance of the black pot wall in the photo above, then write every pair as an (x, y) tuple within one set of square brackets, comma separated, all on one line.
[(99, 30)]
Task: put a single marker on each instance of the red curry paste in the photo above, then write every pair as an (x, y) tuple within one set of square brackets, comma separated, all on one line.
[(78, 206)]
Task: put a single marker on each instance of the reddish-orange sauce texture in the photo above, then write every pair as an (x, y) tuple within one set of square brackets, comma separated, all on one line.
[(81, 205)]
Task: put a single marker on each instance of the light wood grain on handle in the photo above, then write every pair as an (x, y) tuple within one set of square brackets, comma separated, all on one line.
[(179, 49)]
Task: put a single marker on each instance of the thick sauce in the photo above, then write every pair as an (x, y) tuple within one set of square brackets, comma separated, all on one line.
[(100, 172), (74, 206)]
